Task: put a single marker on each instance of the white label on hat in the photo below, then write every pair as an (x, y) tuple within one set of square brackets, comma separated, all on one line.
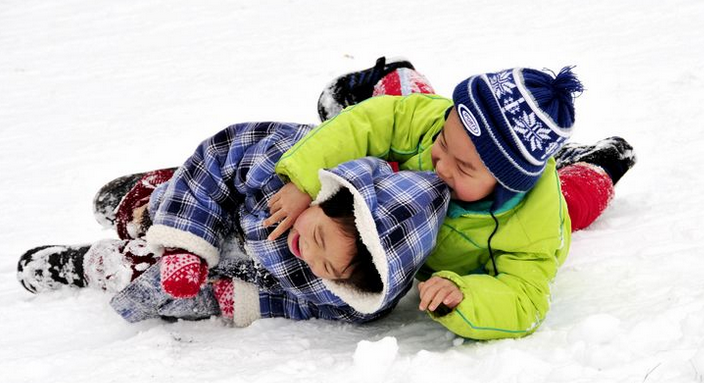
[(468, 120)]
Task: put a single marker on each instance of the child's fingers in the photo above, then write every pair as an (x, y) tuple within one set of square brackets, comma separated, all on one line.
[(274, 199), (436, 291), (275, 217), (453, 298), (428, 290), (439, 297), (274, 207), (283, 226)]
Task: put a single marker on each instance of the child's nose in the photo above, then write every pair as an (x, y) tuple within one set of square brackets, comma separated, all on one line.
[(442, 170)]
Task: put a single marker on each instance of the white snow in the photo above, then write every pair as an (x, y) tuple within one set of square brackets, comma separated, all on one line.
[(90, 90)]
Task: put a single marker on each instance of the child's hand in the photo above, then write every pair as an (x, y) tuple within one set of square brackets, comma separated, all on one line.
[(285, 207), (182, 273), (436, 291)]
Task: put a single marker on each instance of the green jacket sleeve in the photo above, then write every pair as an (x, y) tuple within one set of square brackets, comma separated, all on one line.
[(510, 305), (389, 127)]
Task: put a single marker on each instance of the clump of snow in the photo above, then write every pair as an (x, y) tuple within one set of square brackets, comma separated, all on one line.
[(105, 271), (373, 359)]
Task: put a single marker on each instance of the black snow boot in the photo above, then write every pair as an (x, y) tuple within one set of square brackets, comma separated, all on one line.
[(47, 268), (109, 196), (355, 87), (614, 154)]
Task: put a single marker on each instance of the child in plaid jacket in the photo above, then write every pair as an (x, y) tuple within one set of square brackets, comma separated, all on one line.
[(213, 208)]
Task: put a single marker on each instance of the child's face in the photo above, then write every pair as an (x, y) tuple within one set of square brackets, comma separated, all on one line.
[(318, 241), (457, 162)]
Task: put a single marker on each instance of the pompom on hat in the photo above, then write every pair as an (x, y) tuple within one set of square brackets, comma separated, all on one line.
[(517, 119)]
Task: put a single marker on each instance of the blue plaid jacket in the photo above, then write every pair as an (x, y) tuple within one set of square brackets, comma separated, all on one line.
[(221, 192)]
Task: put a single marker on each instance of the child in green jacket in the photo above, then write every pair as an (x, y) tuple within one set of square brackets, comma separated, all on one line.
[(508, 228)]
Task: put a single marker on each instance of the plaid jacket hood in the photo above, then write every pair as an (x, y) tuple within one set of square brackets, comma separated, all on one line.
[(398, 216)]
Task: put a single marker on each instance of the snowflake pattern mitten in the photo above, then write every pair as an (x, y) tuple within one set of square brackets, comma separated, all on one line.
[(182, 273)]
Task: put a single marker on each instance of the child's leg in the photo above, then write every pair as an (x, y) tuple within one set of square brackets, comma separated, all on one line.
[(588, 174), (587, 190), (46, 268), (402, 82), (115, 202), (614, 154), (112, 264), (129, 223), (109, 264), (109, 196), (355, 87)]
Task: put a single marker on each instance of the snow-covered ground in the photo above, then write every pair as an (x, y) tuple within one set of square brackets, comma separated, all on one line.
[(90, 90)]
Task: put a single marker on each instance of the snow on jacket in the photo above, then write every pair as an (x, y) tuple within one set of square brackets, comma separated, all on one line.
[(533, 235), (224, 187)]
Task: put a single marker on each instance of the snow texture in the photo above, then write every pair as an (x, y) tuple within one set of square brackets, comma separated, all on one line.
[(91, 90)]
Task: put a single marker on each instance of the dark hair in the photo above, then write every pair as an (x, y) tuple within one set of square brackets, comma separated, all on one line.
[(340, 208)]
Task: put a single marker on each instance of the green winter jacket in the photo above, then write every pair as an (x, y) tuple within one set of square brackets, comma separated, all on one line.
[(531, 242)]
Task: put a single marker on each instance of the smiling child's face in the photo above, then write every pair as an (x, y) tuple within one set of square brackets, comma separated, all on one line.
[(457, 162), (318, 240)]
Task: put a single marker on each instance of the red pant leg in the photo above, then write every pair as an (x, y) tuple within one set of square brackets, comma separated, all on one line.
[(587, 190), (402, 82)]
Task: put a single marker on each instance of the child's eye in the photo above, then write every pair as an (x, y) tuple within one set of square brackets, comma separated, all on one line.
[(316, 237), (465, 171)]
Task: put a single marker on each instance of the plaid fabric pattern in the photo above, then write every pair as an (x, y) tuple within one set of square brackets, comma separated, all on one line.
[(231, 169), (289, 306), (303, 295), (233, 172), (408, 209)]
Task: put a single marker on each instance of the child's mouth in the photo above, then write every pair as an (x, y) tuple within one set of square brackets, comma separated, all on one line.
[(294, 245)]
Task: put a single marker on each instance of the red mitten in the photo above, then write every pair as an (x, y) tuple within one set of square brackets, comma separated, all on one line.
[(224, 291), (182, 273), (129, 226)]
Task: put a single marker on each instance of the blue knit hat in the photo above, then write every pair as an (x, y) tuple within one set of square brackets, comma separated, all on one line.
[(517, 119)]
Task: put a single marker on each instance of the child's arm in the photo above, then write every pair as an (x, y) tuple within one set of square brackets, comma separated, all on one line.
[(196, 209), (392, 128), (388, 127), (510, 305), (193, 212)]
